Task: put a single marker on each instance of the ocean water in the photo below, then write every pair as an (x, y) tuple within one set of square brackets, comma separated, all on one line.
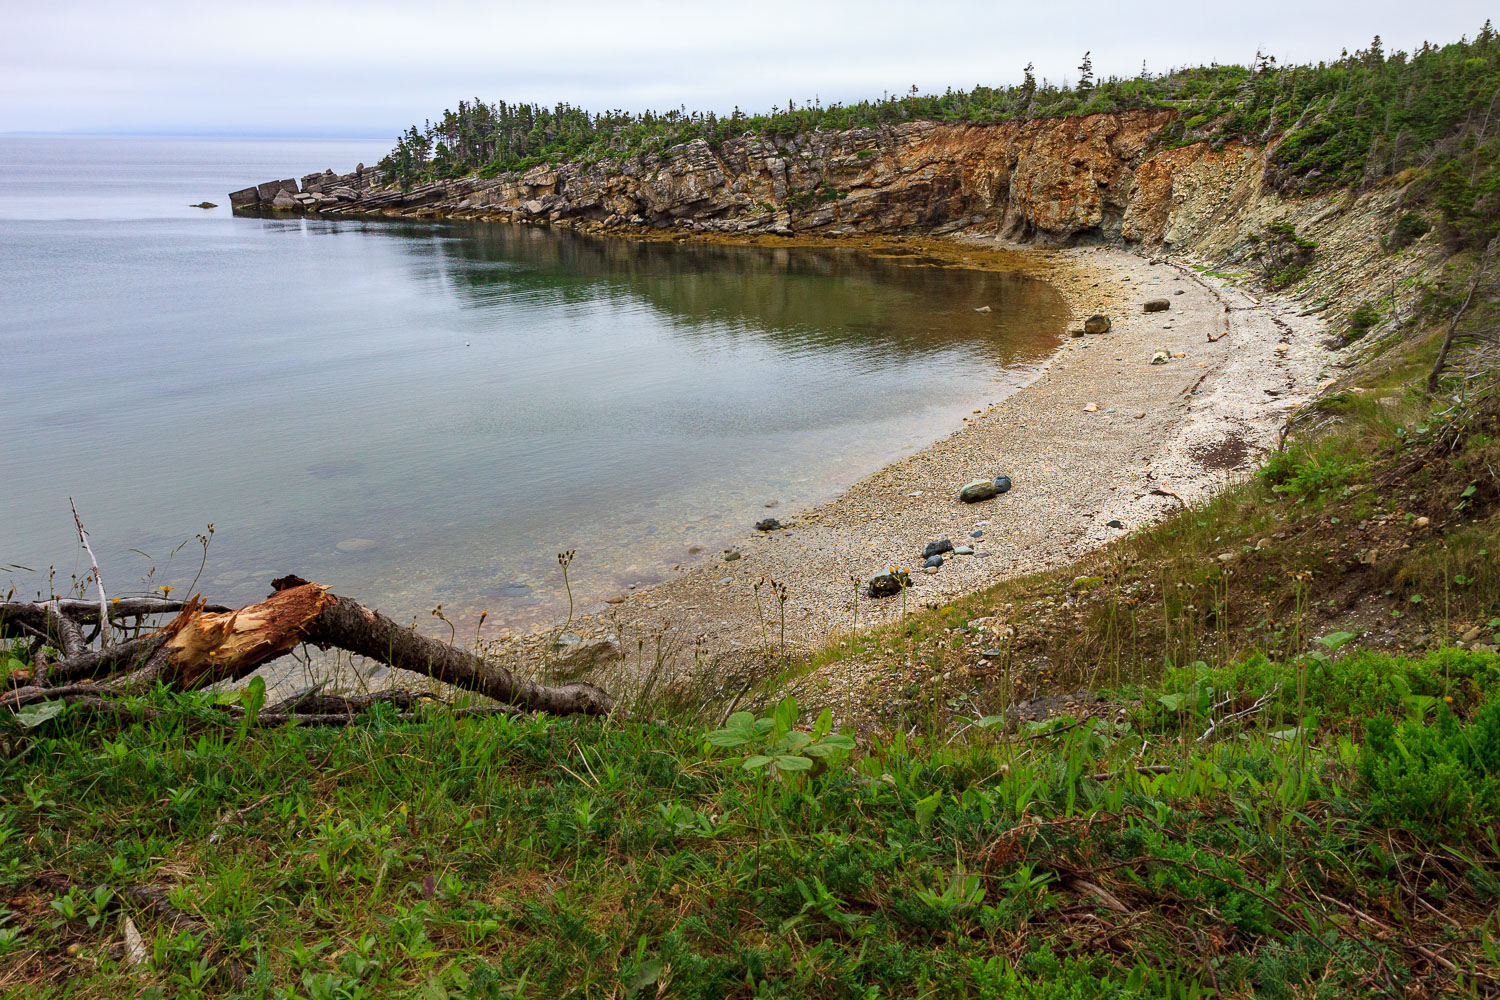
[(425, 414)]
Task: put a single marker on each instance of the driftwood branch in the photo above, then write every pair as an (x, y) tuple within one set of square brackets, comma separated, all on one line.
[(83, 538), (202, 646)]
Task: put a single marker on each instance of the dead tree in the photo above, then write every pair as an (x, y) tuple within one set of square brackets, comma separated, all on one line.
[(204, 645), (1442, 359)]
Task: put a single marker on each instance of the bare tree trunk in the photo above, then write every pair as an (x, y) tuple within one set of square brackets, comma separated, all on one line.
[(1442, 358)]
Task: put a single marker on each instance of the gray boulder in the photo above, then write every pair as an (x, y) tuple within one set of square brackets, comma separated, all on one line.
[(270, 189), (1002, 484), (937, 548), (933, 561)]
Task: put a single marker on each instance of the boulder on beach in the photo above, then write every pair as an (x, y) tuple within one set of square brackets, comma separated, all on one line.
[(932, 562), (1097, 323), (888, 584), (769, 524), (1002, 483), (937, 548), (979, 490), (578, 658), (1158, 305)]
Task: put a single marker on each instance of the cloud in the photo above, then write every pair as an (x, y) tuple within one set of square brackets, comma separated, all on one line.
[(340, 68)]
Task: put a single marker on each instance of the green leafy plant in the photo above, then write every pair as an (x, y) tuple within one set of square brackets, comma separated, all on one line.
[(778, 747)]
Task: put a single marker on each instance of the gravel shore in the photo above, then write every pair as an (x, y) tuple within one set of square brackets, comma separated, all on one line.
[(1101, 443)]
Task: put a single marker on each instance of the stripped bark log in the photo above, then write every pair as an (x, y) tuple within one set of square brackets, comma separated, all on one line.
[(201, 647)]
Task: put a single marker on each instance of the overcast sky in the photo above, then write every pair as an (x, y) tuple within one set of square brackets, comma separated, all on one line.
[(369, 68)]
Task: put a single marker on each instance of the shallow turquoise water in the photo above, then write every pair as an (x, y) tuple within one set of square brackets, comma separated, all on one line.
[(423, 414)]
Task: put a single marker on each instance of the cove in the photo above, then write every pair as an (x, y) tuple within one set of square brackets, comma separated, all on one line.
[(427, 413)]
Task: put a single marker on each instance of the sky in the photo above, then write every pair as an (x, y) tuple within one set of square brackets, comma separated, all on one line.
[(370, 68)]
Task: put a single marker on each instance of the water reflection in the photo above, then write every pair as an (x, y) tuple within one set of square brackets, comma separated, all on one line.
[(415, 413)]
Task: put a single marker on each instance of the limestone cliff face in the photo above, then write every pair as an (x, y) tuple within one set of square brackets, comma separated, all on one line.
[(1100, 177)]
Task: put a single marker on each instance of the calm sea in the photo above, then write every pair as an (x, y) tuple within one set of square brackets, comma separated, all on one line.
[(427, 413)]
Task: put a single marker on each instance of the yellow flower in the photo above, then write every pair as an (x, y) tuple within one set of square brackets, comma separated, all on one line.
[(166, 589)]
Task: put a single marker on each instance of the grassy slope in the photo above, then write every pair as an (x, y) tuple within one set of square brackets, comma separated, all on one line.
[(544, 858)]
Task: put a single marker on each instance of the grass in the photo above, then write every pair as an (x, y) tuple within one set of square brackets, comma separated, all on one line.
[(545, 858)]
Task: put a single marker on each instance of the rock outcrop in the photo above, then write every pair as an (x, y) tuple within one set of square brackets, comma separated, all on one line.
[(1099, 177)]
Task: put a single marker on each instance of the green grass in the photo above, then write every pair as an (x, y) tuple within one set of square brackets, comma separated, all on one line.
[(546, 858)]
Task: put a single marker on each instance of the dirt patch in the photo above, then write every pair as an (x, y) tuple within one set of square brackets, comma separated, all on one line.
[(1229, 452)]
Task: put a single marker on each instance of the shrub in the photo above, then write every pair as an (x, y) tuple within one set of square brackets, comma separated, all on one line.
[(1364, 316), (1308, 472), (1408, 229), (1434, 781), (1285, 254)]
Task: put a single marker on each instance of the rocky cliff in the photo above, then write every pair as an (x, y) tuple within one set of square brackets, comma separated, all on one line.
[(1101, 177)]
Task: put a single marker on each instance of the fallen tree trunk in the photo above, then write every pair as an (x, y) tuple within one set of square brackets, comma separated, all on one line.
[(200, 647)]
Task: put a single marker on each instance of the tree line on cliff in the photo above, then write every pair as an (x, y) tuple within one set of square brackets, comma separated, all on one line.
[(1365, 117)]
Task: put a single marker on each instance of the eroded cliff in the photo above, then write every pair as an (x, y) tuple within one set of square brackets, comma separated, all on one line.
[(1101, 177)]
